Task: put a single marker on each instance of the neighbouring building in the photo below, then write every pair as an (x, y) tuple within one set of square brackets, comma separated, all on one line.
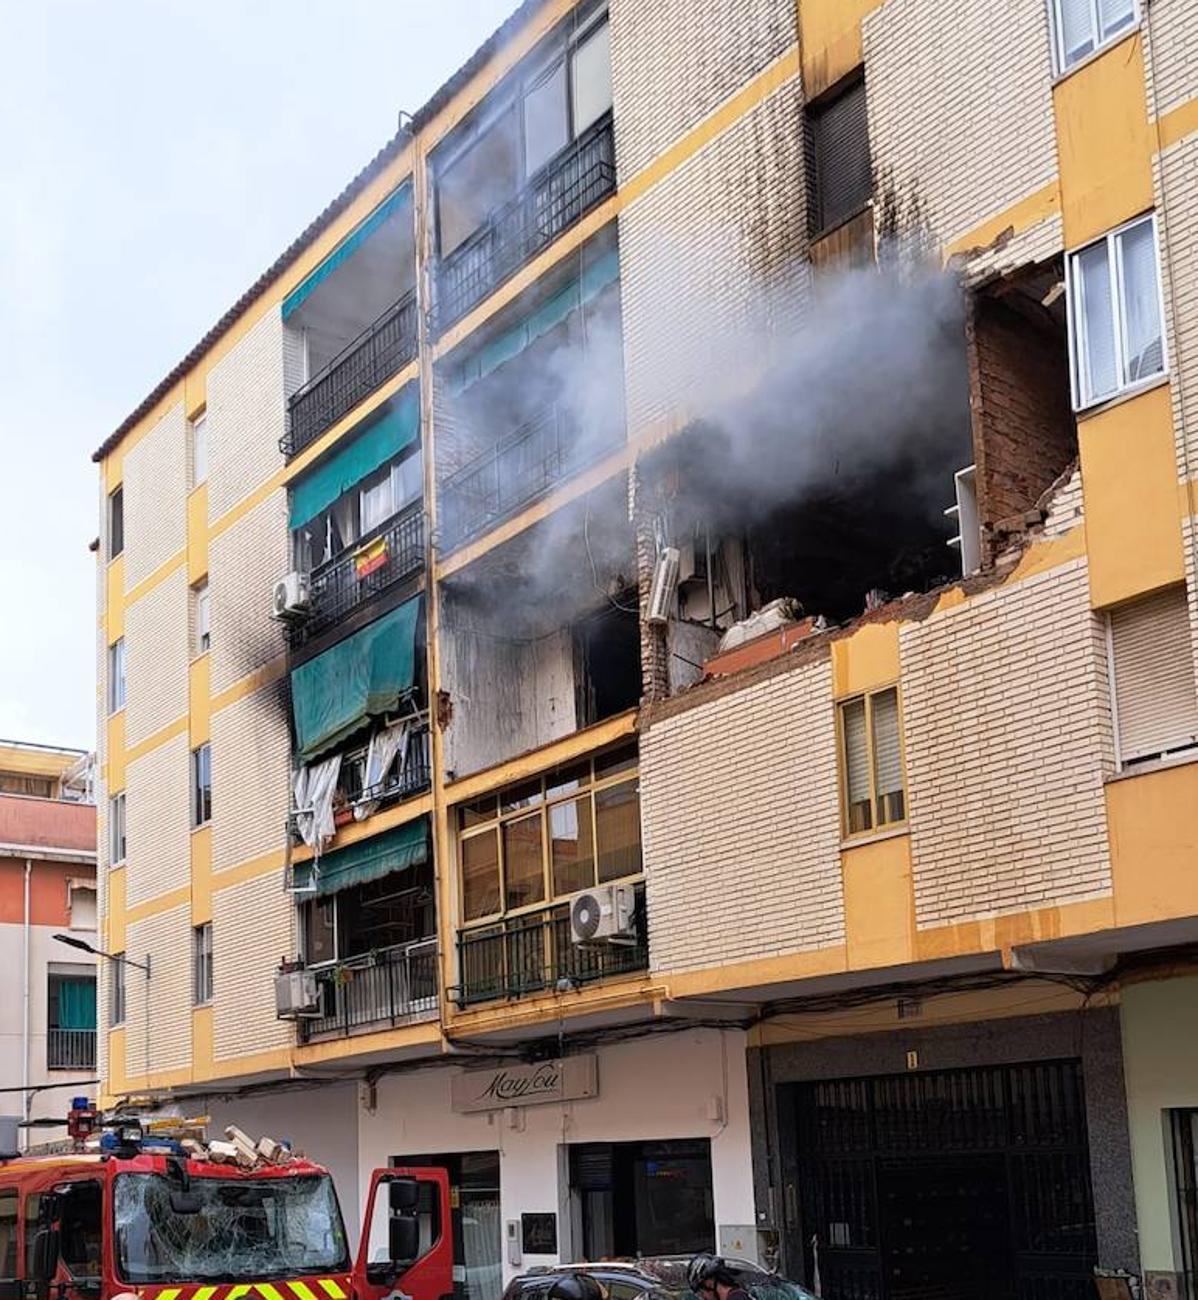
[(650, 658), (47, 888)]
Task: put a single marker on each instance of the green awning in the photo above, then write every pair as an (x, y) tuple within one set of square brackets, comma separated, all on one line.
[(366, 675), (389, 207), (596, 276), (391, 428), (372, 859)]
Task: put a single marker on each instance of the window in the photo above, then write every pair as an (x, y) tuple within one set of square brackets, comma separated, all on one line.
[(1116, 335), (203, 620), (37, 787), (201, 785), (202, 964), (839, 172), (116, 829), (1083, 26), (80, 1231), (872, 762), (199, 450), (551, 837), (116, 676), (1152, 677), (116, 989), (82, 901), (70, 1018), (1183, 1128), (590, 76), (116, 522), (8, 1235)]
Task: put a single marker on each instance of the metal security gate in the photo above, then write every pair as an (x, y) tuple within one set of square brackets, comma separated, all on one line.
[(958, 1183)]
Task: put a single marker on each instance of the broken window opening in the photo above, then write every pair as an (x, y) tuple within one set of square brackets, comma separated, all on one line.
[(397, 910), (607, 648)]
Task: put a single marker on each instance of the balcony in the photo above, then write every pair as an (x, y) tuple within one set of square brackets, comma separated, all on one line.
[(564, 190), (533, 953), (394, 986), (392, 552), (380, 351), (71, 1049)]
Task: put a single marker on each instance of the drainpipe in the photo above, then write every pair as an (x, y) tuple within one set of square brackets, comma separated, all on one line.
[(26, 958)]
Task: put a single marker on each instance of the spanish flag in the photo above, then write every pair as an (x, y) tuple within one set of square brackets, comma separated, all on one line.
[(370, 557)]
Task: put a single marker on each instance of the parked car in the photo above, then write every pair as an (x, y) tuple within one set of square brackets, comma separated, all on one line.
[(659, 1277)]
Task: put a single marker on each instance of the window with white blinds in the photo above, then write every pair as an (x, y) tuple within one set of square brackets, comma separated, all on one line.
[(1083, 26), (872, 762), (839, 171), (1152, 670)]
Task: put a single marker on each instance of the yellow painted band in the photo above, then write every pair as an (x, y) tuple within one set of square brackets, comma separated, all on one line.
[(302, 1290), (331, 1288)]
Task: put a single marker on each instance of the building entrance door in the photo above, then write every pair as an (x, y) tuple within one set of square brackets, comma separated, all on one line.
[(959, 1183)]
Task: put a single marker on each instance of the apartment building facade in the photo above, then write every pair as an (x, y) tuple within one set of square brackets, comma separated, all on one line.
[(47, 889), (619, 678)]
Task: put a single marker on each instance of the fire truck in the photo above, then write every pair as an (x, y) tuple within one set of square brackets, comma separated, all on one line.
[(131, 1215)]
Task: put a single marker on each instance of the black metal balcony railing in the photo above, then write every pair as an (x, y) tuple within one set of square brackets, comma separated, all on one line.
[(520, 467), (562, 192), (533, 952), (381, 350), (71, 1049), (335, 589), (393, 986), (414, 778)]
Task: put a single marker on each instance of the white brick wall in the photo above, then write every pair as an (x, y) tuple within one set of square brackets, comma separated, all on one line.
[(245, 415), (1171, 40), (157, 645), (167, 939), (676, 61), (155, 498), (158, 821), (1066, 508), (250, 776), (251, 929), (710, 259), (741, 822), (960, 106), (244, 562), (1006, 723)]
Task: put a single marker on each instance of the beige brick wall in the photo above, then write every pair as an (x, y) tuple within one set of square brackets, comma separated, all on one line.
[(741, 825), (676, 61), (960, 108), (251, 929), (155, 498), (250, 776), (157, 646), (245, 415), (1006, 723), (244, 561), (1171, 38), (158, 821), (1066, 509), (711, 259), (1176, 183), (166, 937)]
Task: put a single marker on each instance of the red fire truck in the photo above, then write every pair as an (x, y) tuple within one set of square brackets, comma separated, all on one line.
[(146, 1219)]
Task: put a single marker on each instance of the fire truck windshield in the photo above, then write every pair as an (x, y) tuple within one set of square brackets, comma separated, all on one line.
[(227, 1230)]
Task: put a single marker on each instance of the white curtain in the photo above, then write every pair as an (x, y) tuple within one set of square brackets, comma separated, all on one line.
[(313, 789), (385, 744)]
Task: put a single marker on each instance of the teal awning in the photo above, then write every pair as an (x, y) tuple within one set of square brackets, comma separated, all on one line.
[(596, 276), (391, 428), (389, 207), (362, 677), (372, 859)]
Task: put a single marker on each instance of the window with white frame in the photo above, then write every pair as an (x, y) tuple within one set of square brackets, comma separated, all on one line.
[(116, 829), (116, 675), (199, 449), (202, 963), (872, 786), (203, 624), (1116, 331), (201, 785), (1152, 677), (116, 989), (1082, 26)]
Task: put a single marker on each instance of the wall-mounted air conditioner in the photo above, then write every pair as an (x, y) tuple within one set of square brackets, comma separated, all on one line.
[(290, 599), (297, 995), (661, 591), (603, 915)]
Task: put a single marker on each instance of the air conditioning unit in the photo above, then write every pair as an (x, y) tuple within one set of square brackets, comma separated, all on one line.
[(603, 915), (661, 592), (290, 599), (297, 995)]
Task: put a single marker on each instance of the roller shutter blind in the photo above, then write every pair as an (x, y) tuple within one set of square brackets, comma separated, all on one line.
[(839, 171), (1155, 705)]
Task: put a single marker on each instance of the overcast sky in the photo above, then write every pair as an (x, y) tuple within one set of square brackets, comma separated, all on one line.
[(155, 157)]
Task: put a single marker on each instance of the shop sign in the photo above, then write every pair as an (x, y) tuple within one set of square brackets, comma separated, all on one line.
[(570, 1079)]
